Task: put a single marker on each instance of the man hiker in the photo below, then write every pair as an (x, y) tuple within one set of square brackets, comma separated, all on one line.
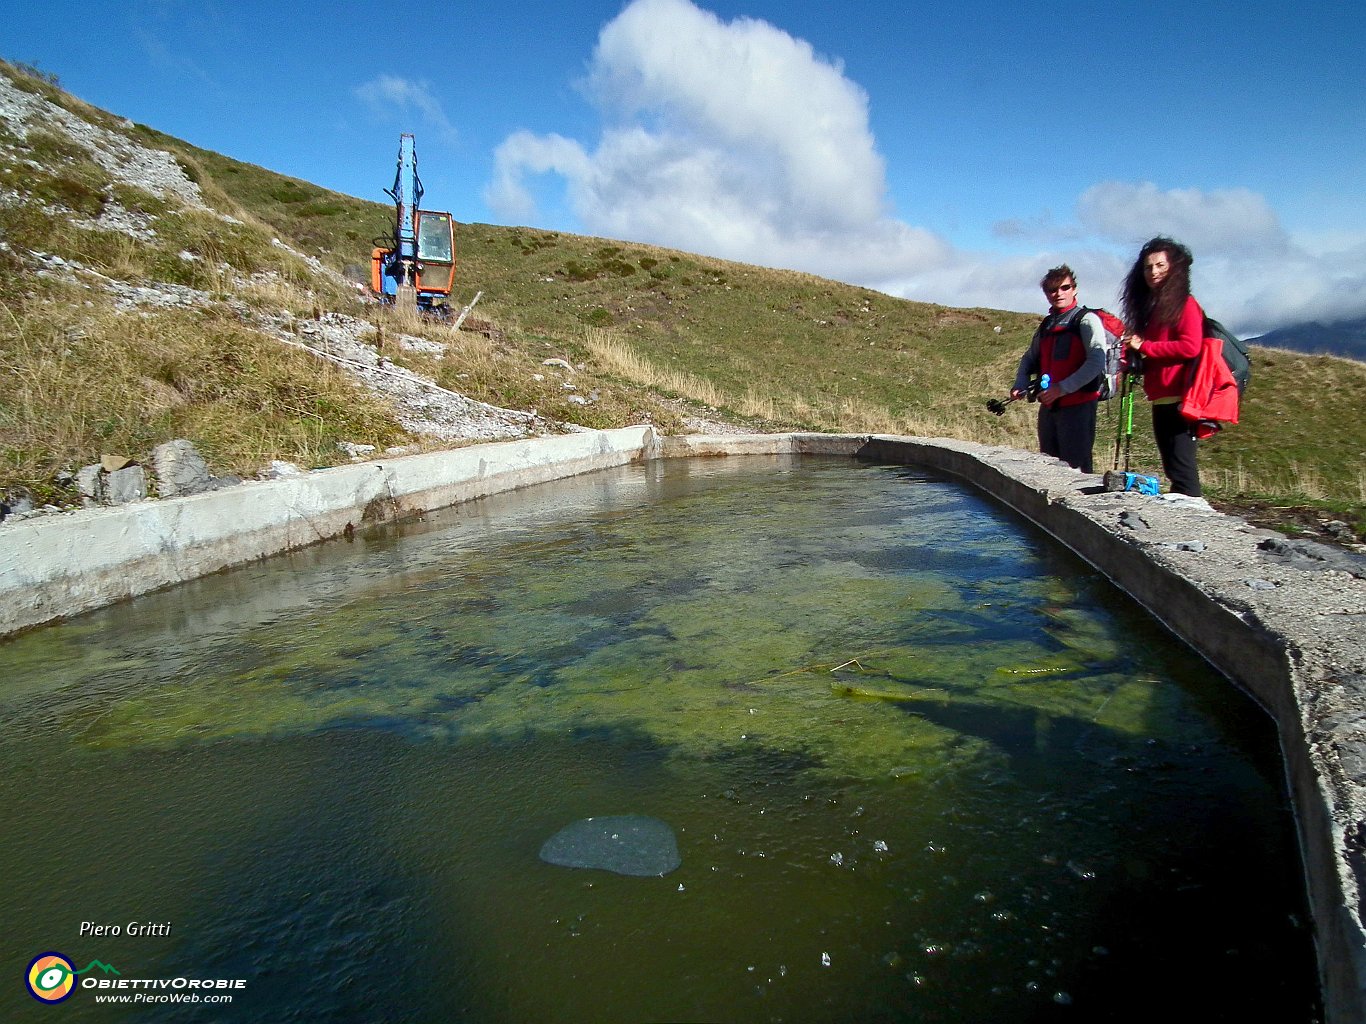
[(1067, 355)]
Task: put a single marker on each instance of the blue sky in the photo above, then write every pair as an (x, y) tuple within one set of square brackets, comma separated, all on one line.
[(948, 153)]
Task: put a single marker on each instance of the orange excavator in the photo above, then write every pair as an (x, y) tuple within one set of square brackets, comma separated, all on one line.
[(415, 268)]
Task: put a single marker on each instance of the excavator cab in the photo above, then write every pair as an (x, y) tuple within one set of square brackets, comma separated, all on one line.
[(435, 254)]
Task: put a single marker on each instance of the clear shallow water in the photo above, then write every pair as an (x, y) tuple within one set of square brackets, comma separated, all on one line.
[(920, 765)]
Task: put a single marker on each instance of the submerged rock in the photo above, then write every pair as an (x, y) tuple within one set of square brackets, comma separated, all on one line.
[(628, 844)]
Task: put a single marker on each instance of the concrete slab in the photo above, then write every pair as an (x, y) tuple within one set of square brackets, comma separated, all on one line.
[(60, 565), (1282, 619)]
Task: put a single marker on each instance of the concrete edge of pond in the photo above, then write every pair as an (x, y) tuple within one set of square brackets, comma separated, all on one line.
[(1283, 619), (60, 565)]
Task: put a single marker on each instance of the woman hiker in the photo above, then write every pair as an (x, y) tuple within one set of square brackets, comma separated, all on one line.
[(1169, 328)]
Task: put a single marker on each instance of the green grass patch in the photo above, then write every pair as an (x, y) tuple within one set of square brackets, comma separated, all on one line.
[(138, 200)]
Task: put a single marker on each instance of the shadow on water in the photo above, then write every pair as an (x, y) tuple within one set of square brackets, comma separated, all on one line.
[(1028, 736)]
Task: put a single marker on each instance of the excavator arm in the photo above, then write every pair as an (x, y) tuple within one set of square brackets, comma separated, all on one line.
[(417, 266)]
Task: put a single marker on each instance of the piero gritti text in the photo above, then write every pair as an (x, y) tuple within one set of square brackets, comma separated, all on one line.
[(133, 929)]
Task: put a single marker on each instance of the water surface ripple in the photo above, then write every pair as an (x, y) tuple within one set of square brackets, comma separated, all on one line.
[(921, 765)]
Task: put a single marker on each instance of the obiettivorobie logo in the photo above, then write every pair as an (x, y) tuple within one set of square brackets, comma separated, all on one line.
[(52, 978)]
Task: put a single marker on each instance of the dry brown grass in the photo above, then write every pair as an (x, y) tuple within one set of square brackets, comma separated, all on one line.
[(768, 404), (1296, 483), (615, 356), (106, 382)]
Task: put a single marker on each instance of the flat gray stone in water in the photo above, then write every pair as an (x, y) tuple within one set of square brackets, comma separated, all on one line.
[(629, 844)]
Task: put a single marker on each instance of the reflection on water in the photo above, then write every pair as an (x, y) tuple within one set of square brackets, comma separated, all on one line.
[(920, 766)]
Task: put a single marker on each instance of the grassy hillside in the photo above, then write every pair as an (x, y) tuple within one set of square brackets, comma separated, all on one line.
[(654, 334)]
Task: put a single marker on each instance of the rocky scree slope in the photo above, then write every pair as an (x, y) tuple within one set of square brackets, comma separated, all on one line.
[(108, 186)]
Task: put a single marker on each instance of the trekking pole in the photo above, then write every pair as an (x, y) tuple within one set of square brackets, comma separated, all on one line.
[(1114, 480), (1128, 413), (998, 405), (1124, 404)]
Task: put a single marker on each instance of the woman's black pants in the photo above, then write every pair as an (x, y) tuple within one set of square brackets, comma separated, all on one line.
[(1177, 447)]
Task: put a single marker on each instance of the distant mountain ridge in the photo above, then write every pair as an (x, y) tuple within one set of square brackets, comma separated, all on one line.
[(1345, 338)]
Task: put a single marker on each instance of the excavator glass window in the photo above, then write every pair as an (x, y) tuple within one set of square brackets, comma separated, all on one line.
[(434, 237)]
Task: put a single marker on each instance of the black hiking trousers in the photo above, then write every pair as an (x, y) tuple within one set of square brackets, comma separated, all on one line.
[(1068, 432), (1176, 444)]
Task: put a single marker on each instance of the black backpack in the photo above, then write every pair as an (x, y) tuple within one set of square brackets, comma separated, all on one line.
[(1235, 353)]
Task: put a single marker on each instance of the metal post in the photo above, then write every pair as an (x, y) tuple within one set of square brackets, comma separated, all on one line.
[(466, 311)]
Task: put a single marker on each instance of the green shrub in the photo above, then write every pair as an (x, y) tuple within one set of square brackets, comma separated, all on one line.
[(138, 200), (288, 192), (74, 189)]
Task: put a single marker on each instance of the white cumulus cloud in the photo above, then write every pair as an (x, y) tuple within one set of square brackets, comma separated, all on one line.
[(750, 91), (729, 138), (1256, 294), (1249, 270), (735, 139), (1220, 221), (391, 96), (539, 154)]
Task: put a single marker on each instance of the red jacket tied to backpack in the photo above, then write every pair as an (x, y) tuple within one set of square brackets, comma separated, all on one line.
[(1212, 394)]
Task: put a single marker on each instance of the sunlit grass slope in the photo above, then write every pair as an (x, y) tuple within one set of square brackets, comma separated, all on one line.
[(652, 333)]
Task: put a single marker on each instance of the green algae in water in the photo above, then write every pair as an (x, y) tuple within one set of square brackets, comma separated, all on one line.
[(894, 731)]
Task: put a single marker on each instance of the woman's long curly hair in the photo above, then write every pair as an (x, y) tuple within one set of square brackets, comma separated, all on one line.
[(1144, 307)]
